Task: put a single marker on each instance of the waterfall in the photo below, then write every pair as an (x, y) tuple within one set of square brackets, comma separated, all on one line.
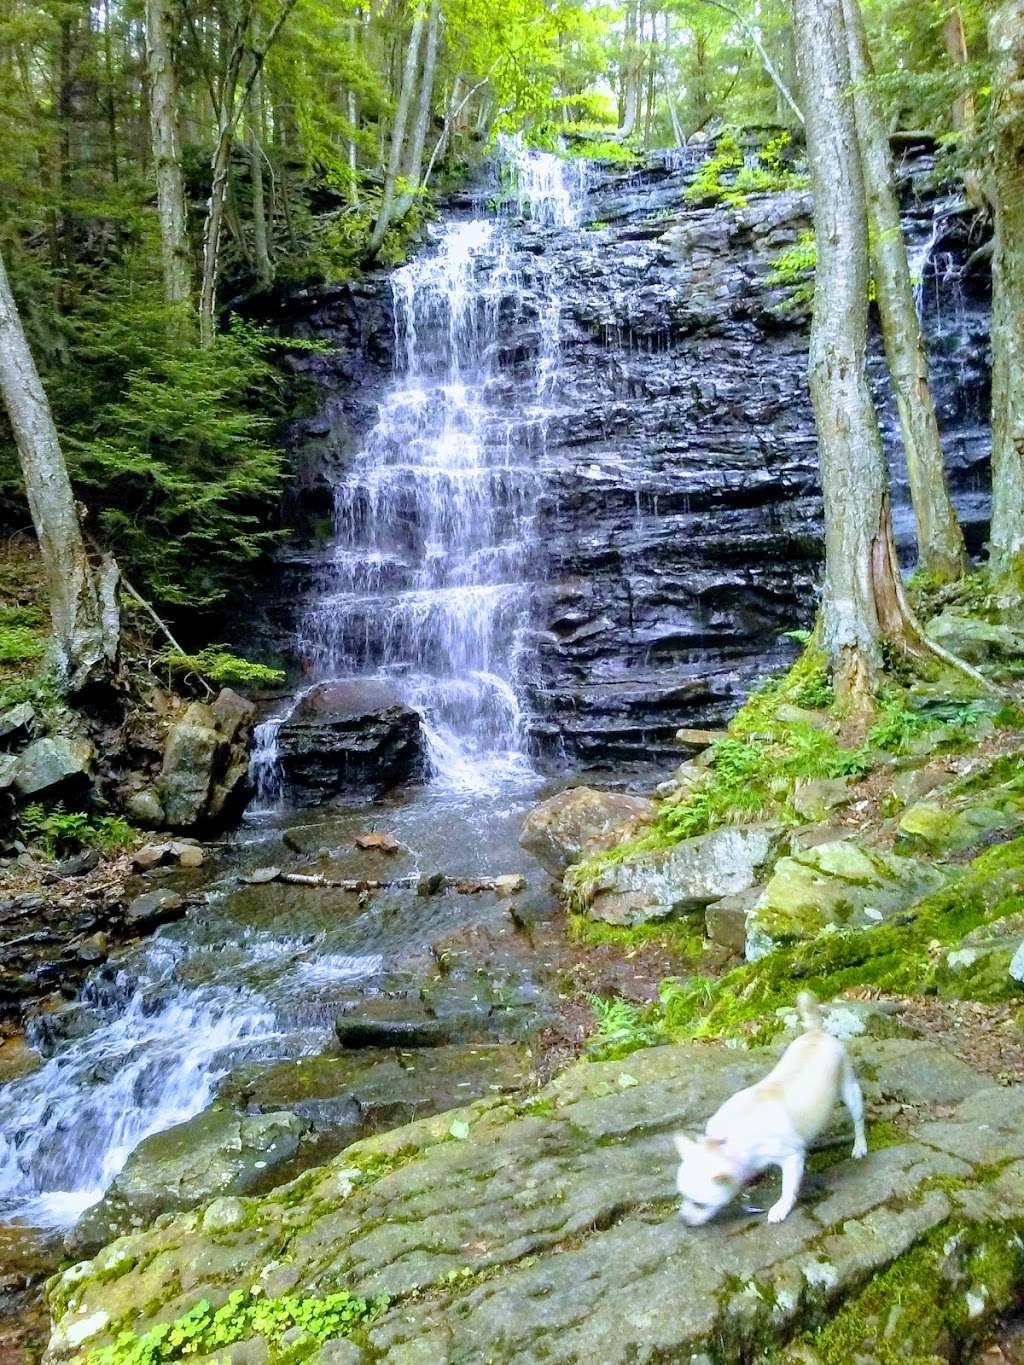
[(434, 541)]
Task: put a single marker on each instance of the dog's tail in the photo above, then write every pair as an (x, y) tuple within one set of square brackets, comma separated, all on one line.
[(809, 1011)]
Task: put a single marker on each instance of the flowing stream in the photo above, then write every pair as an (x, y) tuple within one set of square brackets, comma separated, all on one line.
[(428, 588)]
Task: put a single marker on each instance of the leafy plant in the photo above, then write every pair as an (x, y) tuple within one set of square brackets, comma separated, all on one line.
[(62, 831), (219, 665), (622, 1028), (204, 1329)]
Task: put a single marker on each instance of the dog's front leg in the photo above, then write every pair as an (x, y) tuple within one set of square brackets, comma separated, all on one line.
[(792, 1168)]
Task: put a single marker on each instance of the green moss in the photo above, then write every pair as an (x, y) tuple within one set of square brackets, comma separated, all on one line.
[(900, 956), (678, 936), (726, 178), (948, 1287)]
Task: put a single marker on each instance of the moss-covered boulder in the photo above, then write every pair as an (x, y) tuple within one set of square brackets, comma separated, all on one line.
[(219, 1152), (835, 885), (987, 963), (548, 1231), (656, 883)]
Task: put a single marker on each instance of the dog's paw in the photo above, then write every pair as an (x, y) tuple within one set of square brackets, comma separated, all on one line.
[(860, 1148), (778, 1212)]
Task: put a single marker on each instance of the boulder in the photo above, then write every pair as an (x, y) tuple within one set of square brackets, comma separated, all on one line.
[(17, 724), (144, 809), (976, 641), (219, 1152), (936, 826), (725, 921), (835, 885), (687, 876), (203, 779), (54, 764), (813, 799), (349, 738), (579, 822)]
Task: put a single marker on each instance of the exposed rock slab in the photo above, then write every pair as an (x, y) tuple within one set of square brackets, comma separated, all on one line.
[(579, 822), (548, 1232)]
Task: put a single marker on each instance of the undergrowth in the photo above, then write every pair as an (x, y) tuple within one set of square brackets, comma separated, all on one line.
[(726, 178), (204, 1329), (61, 831), (219, 665)]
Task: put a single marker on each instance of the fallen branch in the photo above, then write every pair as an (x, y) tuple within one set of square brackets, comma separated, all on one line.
[(431, 885)]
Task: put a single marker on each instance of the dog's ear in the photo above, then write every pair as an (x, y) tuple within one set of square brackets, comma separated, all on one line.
[(684, 1144), (714, 1142), (722, 1178)]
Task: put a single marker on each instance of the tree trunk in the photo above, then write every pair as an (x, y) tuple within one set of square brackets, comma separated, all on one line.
[(170, 184), (862, 600), (963, 113), (398, 131), (261, 244), (414, 160), (83, 602), (1006, 43), (941, 551)]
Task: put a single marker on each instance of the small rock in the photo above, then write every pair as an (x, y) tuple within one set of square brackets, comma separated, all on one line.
[(801, 715), (259, 875), (432, 884), (379, 840), (94, 948), (813, 800), (700, 739), (725, 921), (339, 1351), (508, 886), (154, 907), (145, 810), (8, 770), (223, 1214), (188, 855), (150, 856), (78, 865)]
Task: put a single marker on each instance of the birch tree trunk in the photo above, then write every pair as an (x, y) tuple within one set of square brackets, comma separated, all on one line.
[(862, 600), (1006, 44), (83, 602), (414, 159), (398, 133), (260, 241), (940, 542), (165, 140), (964, 114)]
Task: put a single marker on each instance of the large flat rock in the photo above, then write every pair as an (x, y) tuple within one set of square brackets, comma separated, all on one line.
[(547, 1231)]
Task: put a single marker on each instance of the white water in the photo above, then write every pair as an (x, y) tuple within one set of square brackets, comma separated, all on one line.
[(430, 588), (435, 518)]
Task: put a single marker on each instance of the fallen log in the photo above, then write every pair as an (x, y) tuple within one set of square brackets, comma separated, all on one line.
[(431, 885)]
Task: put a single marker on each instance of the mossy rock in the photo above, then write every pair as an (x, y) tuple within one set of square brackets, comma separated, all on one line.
[(981, 966), (836, 885)]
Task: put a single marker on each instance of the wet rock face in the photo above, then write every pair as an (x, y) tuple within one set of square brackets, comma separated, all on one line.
[(580, 822), (349, 739), (678, 534)]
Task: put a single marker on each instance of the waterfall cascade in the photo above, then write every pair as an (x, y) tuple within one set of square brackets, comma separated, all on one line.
[(428, 582)]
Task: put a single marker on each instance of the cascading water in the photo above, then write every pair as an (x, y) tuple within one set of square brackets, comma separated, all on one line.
[(434, 539), (429, 588)]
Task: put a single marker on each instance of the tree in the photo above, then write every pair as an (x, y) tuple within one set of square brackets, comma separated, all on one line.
[(1006, 41), (83, 601), (941, 551), (170, 183), (863, 602), (398, 135)]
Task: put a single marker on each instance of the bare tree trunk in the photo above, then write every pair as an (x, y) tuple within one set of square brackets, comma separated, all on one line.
[(771, 70), (632, 71), (398, 132), (963, 113), (1006, 44), (862, 599), (261, 244), (352, 113), (941, 551), (164, 136), (83, 602), (666, 80), (414, 159)]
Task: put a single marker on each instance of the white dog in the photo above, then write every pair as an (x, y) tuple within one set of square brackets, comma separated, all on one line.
[(771, 1124)]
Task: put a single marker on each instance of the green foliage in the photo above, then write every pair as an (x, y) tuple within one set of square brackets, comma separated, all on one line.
[(205, 1329), (726, 177), (218, 665), (61, 831), (622, 1028), (20, 644), (794, 269)]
